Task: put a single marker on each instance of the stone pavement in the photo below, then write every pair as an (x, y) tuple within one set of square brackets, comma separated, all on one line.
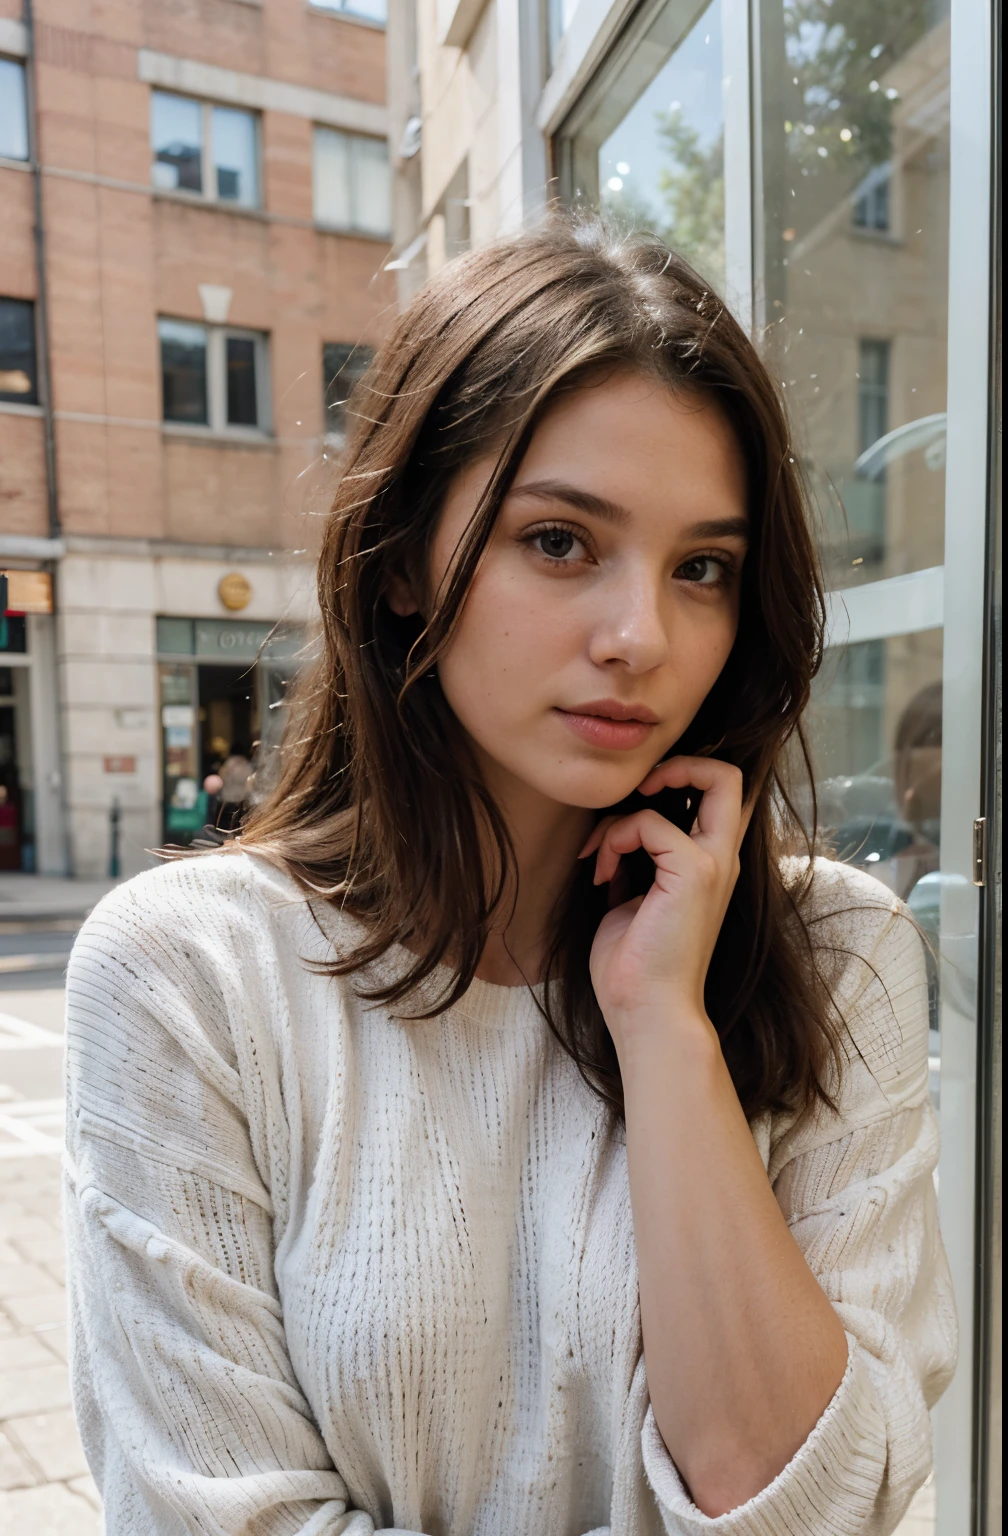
[(45, 1487)]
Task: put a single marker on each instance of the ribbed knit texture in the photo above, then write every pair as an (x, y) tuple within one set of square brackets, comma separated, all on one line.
[(336, 1272)]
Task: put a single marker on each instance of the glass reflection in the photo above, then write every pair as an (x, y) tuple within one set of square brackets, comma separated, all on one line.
[(177, 143), (234, 154), (648, 144), (854, 145)]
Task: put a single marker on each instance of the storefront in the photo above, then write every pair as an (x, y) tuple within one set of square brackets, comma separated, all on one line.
[(829, 168), (31, 821), (221, 687)]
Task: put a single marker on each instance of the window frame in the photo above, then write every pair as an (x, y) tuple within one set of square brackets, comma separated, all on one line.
[(208, 169), (217, 424), (356, 230)]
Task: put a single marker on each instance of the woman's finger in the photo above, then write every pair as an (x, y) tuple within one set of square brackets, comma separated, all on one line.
[(660, 838), (719, 817), (597, 835)]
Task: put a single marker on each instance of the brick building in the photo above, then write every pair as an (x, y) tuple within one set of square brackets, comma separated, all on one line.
[(194, 218)]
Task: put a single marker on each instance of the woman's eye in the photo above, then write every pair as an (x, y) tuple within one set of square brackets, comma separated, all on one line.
[(556, 543), (702, 570)]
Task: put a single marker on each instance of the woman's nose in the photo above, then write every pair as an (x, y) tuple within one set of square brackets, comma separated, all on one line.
[(629, 626)]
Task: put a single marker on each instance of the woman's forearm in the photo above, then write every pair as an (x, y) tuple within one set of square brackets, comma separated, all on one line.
[(743, 1351)]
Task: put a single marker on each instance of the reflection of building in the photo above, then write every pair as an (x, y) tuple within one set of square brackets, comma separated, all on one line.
[(862, 285), (214, 200), (838, 160)]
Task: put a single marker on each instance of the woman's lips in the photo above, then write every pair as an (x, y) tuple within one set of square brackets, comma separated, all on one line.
[(604, 731)]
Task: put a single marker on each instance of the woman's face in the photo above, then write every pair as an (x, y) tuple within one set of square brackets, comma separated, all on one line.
[(607, 601)]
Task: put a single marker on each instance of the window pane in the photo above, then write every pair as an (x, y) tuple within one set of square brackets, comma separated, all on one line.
[(234, 154), (241, 382), (370, 189), (343, 365), (855, 137), (331, 178), (177, 143), (560, 14), (13, 111), (183, 371), (649, 145), (18, 380), (875, 726)]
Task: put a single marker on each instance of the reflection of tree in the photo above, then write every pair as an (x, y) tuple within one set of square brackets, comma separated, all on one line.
[(838, 53), (691, 185)]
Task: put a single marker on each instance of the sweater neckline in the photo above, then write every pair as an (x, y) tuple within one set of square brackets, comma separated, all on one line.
[(488, 1004)]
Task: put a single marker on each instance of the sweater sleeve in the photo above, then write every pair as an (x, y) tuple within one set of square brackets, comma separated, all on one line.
[(857, 1190), (189, 1409)]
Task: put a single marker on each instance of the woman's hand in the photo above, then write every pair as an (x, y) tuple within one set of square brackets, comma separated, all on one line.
[(650, 955)]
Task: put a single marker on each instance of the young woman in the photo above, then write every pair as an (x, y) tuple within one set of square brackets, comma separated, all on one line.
[(511, 1137)]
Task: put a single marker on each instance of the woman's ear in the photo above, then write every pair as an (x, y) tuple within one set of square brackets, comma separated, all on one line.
[(399, 595)]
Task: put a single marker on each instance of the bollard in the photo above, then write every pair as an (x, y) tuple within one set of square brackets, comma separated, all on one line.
[(115, 817)]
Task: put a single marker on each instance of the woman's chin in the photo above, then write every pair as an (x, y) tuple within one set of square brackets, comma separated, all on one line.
[(594, 789)]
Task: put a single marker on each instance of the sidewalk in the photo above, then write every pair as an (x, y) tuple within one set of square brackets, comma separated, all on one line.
[(45, 1486), (35, 897)]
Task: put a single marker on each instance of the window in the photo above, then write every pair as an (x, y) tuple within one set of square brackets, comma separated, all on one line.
[(13, 111), (646, 141), (213, 376), (350, 175), (873, 394), (18, 378), (204, 150), (871, 200), (363, 10), (343, 365)]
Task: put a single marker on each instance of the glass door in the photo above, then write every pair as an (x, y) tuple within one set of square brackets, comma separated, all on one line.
[(871, 301)]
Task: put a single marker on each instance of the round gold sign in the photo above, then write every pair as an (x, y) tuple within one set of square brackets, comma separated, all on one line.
[(234, 591)]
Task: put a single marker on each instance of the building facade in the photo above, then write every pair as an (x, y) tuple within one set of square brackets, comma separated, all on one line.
[(832, 171), (194, 217)]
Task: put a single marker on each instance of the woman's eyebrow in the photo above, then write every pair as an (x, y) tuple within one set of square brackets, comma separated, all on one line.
[(611, 512), (718, 528), (581, 501)]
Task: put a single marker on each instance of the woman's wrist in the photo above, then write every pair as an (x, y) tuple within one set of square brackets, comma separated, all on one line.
[(666, 1033)]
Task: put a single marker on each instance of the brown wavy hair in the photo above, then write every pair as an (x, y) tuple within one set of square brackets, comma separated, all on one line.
[(378, 806)]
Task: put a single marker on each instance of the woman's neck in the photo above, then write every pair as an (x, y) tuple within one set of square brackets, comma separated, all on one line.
[(547, 838)]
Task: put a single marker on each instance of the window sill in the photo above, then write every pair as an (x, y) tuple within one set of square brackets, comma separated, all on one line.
[(210, 204), (14, 408), (211, 437), (9, 163), (357, 21), (349, 233)]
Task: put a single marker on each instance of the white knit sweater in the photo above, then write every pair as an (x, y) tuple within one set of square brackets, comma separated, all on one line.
[(332, 1272)]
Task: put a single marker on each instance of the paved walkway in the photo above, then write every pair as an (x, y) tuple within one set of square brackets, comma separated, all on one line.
[(38, 896), (45, 1488)]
